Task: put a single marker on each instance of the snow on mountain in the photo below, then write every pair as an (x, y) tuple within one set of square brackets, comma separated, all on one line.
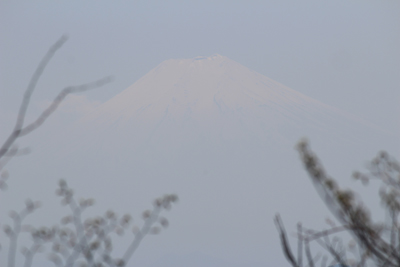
[(222, 137), (215, 93), (206, 86), (203, 85)]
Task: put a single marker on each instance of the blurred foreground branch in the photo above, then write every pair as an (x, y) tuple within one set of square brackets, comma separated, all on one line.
[(373, 243), (8, 149), (87, 242)]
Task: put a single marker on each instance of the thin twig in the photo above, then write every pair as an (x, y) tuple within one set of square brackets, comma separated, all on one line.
[(308, 253), (19, 128), (27, 95), (141, 234), (59, 98), (285, 244), (300, 245)]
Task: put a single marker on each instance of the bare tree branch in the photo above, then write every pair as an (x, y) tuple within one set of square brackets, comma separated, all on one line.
[(14, 232), (27, 95), (284, 242), (300, 244), (378, 242), (150, 219), (35, 78), (60, 97), (19, 128), (308, 253)]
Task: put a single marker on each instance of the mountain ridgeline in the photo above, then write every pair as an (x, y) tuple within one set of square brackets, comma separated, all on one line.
[(218, 99)]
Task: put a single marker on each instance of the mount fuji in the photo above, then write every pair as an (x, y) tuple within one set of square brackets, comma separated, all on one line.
[(222, 137), (218, 99)]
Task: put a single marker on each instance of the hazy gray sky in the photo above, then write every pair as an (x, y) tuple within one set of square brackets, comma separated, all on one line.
[(344, 53)]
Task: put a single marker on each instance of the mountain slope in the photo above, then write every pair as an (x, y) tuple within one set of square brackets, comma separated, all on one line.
[(223, 97)]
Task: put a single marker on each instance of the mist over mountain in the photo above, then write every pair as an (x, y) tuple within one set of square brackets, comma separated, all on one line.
[(210, 91), (185, 101), (222, 137)]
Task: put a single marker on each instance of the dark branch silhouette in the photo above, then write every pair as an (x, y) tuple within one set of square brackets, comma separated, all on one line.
[(6, 149), (374, 243)]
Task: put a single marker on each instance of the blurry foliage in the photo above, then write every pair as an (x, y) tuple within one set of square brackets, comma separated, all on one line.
[(372, 243), (79, 241), (76, 241)]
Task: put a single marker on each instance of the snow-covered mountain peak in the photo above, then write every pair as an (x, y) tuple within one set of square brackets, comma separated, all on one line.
[(198, 62), (203, 85), (213, 57), (214, 90)]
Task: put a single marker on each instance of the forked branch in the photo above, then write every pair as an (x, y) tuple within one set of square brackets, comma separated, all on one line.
[(20, 129)]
